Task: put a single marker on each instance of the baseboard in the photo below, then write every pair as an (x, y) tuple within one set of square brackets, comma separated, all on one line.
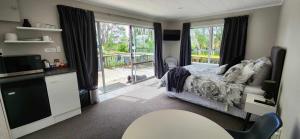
[(32, 127), (43, 123)]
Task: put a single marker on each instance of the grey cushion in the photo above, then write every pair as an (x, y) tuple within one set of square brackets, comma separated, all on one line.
[(262, 70)]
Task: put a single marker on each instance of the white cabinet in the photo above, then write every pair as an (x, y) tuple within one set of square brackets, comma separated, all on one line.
[(63, 93), (9, 10)]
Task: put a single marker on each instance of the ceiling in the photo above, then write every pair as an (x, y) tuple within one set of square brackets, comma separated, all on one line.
[(181, 9)]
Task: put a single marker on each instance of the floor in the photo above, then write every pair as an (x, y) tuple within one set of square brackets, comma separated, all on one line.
[(119, 79), (118, 109)]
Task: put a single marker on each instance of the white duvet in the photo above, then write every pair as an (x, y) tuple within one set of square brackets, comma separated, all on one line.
[(206, 83)]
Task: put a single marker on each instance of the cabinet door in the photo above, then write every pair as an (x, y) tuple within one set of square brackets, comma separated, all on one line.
[(9, 10), (63, 93)]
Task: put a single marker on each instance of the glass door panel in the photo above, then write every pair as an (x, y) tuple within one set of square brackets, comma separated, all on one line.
[(101, 81), (142, 53), (114, 56), (216, 46)]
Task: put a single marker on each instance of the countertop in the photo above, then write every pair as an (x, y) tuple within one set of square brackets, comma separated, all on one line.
[(59, 71), (37, 75)]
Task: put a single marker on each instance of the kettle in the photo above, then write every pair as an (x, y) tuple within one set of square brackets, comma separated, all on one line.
[(46, 64)]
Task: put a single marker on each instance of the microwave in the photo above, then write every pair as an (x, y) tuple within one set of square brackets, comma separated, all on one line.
[(20, 65)]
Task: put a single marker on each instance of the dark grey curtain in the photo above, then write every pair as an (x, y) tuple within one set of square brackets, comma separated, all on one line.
[(159, 63), (185, 47), (234, 39), (79, 40)]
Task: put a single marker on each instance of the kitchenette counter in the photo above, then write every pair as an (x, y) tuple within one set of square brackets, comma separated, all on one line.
[(59, 71), (31, 76)]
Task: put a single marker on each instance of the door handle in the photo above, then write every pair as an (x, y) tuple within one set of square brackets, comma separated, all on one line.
[(11, 93)]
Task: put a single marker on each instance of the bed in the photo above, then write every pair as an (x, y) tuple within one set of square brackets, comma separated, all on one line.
[(208, 71)]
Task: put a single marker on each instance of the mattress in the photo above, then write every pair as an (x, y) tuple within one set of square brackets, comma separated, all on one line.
[(215, 105)]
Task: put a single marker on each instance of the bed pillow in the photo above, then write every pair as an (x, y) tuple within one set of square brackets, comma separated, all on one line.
[(233, 73), (262, 69), (233, 62), (248, 61), (246, 73), (221, 69)]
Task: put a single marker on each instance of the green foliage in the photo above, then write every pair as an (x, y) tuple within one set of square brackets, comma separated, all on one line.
[(114, 40), (122, 47)]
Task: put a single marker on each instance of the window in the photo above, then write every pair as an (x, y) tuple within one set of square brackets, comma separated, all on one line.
[(206, 44)]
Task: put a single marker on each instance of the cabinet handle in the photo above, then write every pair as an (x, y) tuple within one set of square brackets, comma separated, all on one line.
[(11, 93)]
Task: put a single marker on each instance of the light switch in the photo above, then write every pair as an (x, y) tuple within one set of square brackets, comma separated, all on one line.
[(58, 49)]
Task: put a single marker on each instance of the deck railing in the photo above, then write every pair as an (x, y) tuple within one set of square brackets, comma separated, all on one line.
[(120, 60), (205, 59)]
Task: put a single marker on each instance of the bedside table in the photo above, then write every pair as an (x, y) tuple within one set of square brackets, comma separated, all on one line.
[(252, 107)]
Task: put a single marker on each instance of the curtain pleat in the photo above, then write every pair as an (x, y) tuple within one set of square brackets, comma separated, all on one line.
[(185, 47), (79, 40), (159, 63)]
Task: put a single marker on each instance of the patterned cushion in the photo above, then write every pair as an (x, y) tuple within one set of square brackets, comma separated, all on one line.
[(233, 73), (221, 69), (246, 74)]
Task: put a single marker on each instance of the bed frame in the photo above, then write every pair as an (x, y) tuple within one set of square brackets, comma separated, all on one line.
[(277, 58)]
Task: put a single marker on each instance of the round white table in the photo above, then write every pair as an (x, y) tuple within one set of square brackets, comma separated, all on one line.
[(174, 124)]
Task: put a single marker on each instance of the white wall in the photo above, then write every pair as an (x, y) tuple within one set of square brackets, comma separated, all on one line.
[(45, 11), (289, 37), (262, 31)]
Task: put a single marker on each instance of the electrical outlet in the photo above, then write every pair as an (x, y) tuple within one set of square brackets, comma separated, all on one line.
[(277, 134), (58, 49), (50, 50)]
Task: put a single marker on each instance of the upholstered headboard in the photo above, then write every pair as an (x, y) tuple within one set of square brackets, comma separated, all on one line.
[(277, 58)]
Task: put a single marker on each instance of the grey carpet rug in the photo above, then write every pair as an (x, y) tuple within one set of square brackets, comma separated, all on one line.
[(109, 119)]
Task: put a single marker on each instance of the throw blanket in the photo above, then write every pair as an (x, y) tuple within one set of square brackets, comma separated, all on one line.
[(176, 78)]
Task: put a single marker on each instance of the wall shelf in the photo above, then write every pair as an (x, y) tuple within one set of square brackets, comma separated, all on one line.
[(14, 42), (39, 29)]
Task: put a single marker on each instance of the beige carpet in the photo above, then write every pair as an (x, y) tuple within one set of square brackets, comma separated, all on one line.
[(109, 119)]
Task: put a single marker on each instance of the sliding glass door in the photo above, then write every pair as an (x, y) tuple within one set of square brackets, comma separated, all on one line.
[(142, 51), (114, 56), (125, 55)]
